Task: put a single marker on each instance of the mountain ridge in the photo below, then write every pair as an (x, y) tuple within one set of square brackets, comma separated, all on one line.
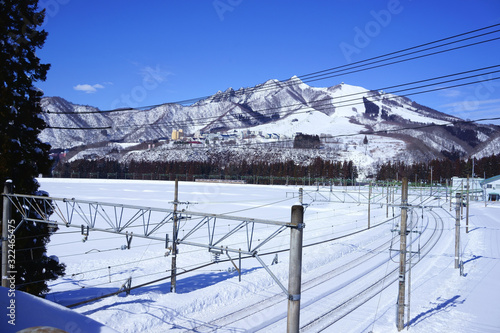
[(279, 109)]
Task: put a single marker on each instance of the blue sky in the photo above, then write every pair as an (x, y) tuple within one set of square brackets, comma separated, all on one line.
[(113, 53)]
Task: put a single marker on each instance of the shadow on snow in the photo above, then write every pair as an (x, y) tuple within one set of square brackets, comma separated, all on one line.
[(184, 286), (444, 305)]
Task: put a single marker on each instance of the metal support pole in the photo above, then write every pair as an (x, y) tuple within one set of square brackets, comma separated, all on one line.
[(446, 189), (467, 209), (239, 265), (295, 270), (173, 278), (431, 181), (369, 202), (457, 229), (402, 255), (461, 199), (6, 217), (387, 205), (484, 190), (393, 191), (301, 195)]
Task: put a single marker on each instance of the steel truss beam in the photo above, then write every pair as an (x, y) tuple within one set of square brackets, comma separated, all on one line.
[(344, 196), (111, 213), (120, 219)]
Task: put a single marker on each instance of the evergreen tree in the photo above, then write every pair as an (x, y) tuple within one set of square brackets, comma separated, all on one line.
[(22, 155)]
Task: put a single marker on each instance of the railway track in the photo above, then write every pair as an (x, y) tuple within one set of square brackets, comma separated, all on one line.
[(337, 311), (268, 303), (347, 306)]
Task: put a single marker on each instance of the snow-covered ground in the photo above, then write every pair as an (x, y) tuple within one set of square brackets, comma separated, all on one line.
[(355, 276)]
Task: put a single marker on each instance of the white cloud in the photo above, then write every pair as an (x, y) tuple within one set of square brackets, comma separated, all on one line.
[(472, 103), (87, 88), (451, 93)]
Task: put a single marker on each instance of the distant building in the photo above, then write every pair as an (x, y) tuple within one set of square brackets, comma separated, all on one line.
[(475, 188), (177, 134), (491, 188), (198, 135)]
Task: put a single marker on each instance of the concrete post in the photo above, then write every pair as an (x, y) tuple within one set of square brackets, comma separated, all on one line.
[(402, 255), (295, 270), (6, 217)]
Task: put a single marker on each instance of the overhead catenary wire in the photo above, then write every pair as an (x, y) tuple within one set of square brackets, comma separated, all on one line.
[(267, 253), (128, 263), (203, 266)]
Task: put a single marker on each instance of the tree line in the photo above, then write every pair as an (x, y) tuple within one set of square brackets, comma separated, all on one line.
[(249, 171), (441, 169), (277, 172)]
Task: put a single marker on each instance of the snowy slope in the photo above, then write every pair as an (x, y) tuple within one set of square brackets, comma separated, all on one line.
[(489, 147)]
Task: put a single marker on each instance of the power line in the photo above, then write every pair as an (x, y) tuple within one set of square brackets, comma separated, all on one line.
[(408, 59), (404, 50), (350, 102), (79, 128), (327, 73)]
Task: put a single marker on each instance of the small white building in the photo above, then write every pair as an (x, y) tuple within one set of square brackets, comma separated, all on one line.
[(460, 184), (475, 187), (491, 188)]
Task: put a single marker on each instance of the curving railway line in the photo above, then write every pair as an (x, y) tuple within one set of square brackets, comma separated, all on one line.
[(363, 272), (347, 306)]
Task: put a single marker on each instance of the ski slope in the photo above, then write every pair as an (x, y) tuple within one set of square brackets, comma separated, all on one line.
[(349, 283)]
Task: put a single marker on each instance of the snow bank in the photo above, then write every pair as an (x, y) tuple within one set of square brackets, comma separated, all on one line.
[(24, 310)]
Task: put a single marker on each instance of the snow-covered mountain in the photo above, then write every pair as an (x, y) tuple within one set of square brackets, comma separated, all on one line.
[(274, 112)]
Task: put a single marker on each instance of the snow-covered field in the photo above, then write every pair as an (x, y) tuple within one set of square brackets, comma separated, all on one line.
[(355, 276)]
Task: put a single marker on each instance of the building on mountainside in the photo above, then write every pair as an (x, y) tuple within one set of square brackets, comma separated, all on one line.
[(177, 134), (491, 188)]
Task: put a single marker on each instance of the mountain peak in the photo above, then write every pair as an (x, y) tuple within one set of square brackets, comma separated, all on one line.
[(295, 80)]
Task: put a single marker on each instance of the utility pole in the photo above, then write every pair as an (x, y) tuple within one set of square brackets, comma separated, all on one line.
[(402, 255), (446, 189), (467, 208), (393, 192), (461, 198), (369, 201), (295, 269), (457, 229), (484, 190), (173, 275), (473, 182), (451, 194), (387, 201), (431, 181), (6, 217)]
